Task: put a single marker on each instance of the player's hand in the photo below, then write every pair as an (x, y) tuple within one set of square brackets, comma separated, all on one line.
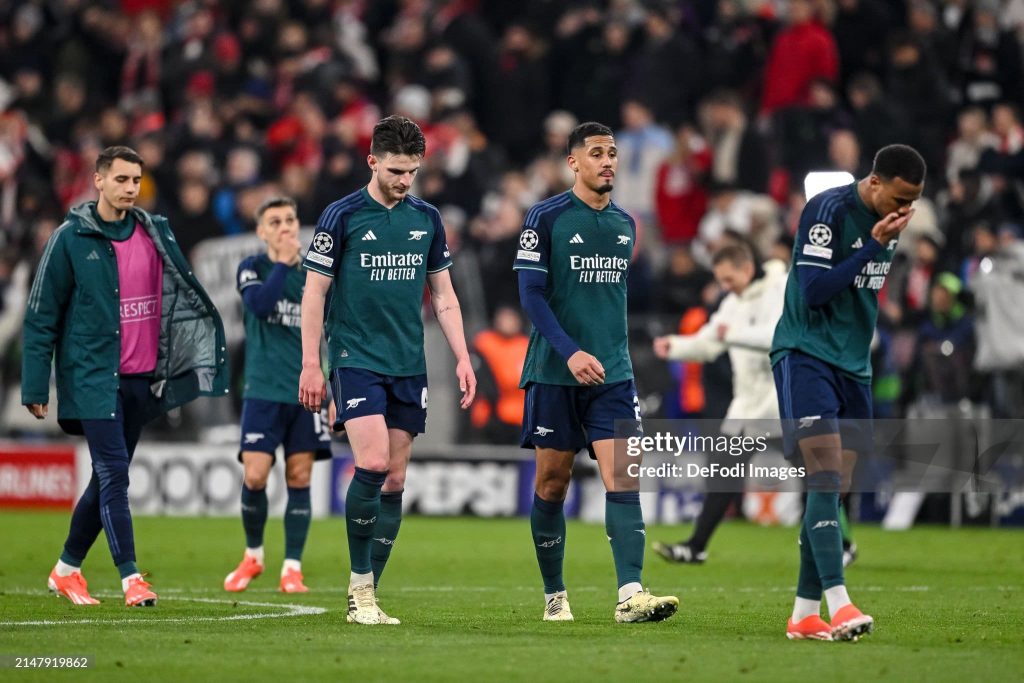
[(288, 247), (890, 227), (585, 368), (312, 389), (467, 382), (661, 346), (38, 410)]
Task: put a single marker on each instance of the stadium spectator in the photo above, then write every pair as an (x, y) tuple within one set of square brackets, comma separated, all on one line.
[(739, 152), (802, 52), (643, 144), (681, 194)]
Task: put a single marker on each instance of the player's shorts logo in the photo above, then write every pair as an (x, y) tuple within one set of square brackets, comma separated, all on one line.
[(529, 240), (323, 242), (820, 235), (543, 431), (806, 422), (353, 402), (624, 239), (253, 437), (417, 234)]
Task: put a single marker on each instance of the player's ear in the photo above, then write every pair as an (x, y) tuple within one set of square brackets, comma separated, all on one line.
[(571, 160), (371, 161)]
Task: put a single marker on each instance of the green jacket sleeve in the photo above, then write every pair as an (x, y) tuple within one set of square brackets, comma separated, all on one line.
[(44, 318)]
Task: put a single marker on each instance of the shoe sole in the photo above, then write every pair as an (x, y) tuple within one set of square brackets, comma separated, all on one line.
[(660, 612), (148, 602), (854, 629), (813, 636)]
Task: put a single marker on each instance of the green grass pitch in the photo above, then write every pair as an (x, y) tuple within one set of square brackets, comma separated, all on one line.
[(948, 605)]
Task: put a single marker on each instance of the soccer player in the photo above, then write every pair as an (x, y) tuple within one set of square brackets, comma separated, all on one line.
[(271, 288), (573, 259), (135, 335), (742, 326), (821, 361), (378, 247)]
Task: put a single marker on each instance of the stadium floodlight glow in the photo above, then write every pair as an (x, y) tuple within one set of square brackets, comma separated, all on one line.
[(817, 182)]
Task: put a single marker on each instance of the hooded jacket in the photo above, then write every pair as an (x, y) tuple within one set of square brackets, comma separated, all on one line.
[(73, 311)]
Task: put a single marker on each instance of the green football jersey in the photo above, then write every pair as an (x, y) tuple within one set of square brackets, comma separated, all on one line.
[(833, 227), (273, 340), (586, 255), (379, 259)]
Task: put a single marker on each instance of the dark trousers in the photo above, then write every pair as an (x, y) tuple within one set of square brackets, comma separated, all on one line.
[(104, 504)]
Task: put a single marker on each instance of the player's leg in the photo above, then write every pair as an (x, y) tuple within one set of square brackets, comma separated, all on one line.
[(261, 431), (66, 578), (623, 517), (306, 439), (256, 471), (298, 514), (385, 532), (552, 429)]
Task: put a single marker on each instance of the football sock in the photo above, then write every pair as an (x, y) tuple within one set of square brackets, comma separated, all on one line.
[(808, 584), (624, 525), (357, 579), (289, 565), (837, 598), (804, 608), (125, 578), (256, 554), (254, 515), (547, 523), (297, 516), (127, 570), (362, 507), (821, 519), (385, 533), (844, 521), (65, 568)]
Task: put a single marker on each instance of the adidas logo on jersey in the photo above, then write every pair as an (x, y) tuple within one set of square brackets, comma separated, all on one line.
[(576, 239), (369, 236), (858, 244), (93, 256)]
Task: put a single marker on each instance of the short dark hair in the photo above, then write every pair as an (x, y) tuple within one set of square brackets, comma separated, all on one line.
[(736, 254), (580, 133), (899, 161), (397, 135), (107, 156), (274, 203)]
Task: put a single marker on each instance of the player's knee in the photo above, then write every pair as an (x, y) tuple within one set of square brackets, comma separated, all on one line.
[(298, 478), (553, 486), (395, 481), (256, 480)]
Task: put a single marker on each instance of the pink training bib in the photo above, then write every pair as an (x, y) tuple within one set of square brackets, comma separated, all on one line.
[(140, 271)]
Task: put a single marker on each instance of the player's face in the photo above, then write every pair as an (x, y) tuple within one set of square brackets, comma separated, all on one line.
[(595, 162), (733, 278), (896, 195), (278, 224), (394, 174), (119, 185)]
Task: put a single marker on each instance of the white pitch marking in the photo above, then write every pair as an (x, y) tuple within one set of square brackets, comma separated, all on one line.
[(292, 611)]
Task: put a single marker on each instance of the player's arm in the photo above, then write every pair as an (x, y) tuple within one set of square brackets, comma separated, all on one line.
[(759, 337), (312, 387), (820, 278), (703, 346), (261, 296), (445, 303), (44, 318)]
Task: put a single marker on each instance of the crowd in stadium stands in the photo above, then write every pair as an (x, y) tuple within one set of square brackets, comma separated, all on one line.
[(720, 108)]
